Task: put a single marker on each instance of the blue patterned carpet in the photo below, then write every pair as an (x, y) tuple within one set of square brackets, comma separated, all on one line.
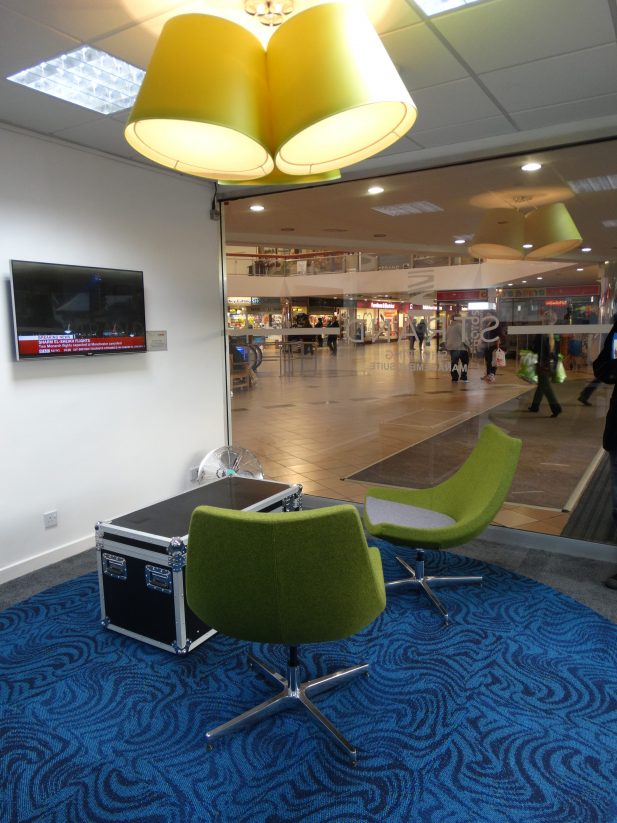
[(508, 715)]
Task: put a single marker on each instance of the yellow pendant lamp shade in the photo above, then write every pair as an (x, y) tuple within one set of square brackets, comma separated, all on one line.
[(279, 178), (203, 105), (552, 231), (336, 97), (500, 235)]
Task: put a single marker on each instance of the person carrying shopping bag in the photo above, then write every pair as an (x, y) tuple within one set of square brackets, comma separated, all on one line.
[(545, 347)]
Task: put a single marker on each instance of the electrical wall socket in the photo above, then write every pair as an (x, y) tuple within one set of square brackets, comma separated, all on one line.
[(193, 474), (50, 519)]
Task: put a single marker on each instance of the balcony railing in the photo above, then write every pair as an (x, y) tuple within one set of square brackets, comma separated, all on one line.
[(328, 262)]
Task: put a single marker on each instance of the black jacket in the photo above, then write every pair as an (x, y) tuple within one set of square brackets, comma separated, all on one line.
[(609, 439)]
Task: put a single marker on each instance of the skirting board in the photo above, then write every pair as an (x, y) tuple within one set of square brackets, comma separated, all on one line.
[(40, 561), (496, 534)]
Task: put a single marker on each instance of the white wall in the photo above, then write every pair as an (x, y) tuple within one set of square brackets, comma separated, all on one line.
[(96, 437)]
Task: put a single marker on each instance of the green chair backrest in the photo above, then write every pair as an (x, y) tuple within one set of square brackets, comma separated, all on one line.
[(478, 489), (292, 578), (472, 495)]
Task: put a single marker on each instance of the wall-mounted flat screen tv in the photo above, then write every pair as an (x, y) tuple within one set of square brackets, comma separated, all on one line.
[(61, 311)]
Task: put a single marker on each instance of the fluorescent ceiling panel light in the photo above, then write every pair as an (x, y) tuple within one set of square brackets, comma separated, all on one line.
[(401, 209), (86, 77), (531, 166), (434, 7), (609, 224), (375, 190), (588, 185)]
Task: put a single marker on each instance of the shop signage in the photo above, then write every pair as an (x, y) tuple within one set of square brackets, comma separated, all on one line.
[(239, 301), (467, 294), (376, 304)]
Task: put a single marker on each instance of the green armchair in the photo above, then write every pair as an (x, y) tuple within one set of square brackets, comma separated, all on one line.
[(293, 578), (448, 514)]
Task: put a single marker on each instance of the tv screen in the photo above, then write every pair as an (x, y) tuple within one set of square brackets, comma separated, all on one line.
[(61, 311)]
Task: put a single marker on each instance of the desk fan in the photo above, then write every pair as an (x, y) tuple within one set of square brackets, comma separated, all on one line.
[(227, 461)]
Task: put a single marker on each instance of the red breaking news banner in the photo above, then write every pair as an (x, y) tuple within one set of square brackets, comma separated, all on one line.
[(67, 344)]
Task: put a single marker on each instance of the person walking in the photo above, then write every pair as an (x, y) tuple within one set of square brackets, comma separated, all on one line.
[(458, 346), (332, 338), (609, 439), (319, 325), (489, 348), (544, 346), (421, 334), (588, 391)]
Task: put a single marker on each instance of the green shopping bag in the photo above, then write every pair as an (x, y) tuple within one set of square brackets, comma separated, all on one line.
[(560, 370), (527, 366)]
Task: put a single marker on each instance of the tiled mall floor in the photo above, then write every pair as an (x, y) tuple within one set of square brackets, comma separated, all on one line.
[(335, 415)]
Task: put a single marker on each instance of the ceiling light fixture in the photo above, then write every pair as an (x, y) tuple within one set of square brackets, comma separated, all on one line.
[(434, 7), (401, 209), (589, 185), (215, 104), (500, 235), (586, 249), (257, 207), (268, 12), (580, 268), (86, 77), (375, 190), (533, 166), (510, 284), (459, 241), (547, 231)]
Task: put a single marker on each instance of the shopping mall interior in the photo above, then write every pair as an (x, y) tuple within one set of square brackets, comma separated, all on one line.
[(427, 521)]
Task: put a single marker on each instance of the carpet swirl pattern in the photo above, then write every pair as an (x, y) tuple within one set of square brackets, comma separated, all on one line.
[(509, 715)]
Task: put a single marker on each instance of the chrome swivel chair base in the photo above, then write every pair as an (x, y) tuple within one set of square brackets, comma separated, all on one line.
[(418, 580), (293, 694)]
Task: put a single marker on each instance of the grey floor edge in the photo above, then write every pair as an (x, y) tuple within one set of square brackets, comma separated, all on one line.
[(575, 567)]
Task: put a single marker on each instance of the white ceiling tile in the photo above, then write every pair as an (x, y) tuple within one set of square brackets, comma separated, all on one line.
[(84, 19), (421, 57), (461, 101), (508, 32), (39, 112), (570, 77), (605, 106), (389, 15), (135, 45), (463, 132), (24, 43)]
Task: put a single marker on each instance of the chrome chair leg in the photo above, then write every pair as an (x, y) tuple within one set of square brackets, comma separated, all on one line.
[(418, 580), (293, 694)]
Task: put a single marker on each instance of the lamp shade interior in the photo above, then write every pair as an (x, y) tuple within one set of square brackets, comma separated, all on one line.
[(500, 235), (203, 106), (279, 178), (336, 97)]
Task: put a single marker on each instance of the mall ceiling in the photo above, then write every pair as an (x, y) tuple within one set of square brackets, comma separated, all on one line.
[(508, 79)]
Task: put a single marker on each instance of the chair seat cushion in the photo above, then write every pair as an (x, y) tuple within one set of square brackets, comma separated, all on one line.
[(400, 514)]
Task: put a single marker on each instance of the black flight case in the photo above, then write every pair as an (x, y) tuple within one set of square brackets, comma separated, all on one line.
[(141, 558)]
